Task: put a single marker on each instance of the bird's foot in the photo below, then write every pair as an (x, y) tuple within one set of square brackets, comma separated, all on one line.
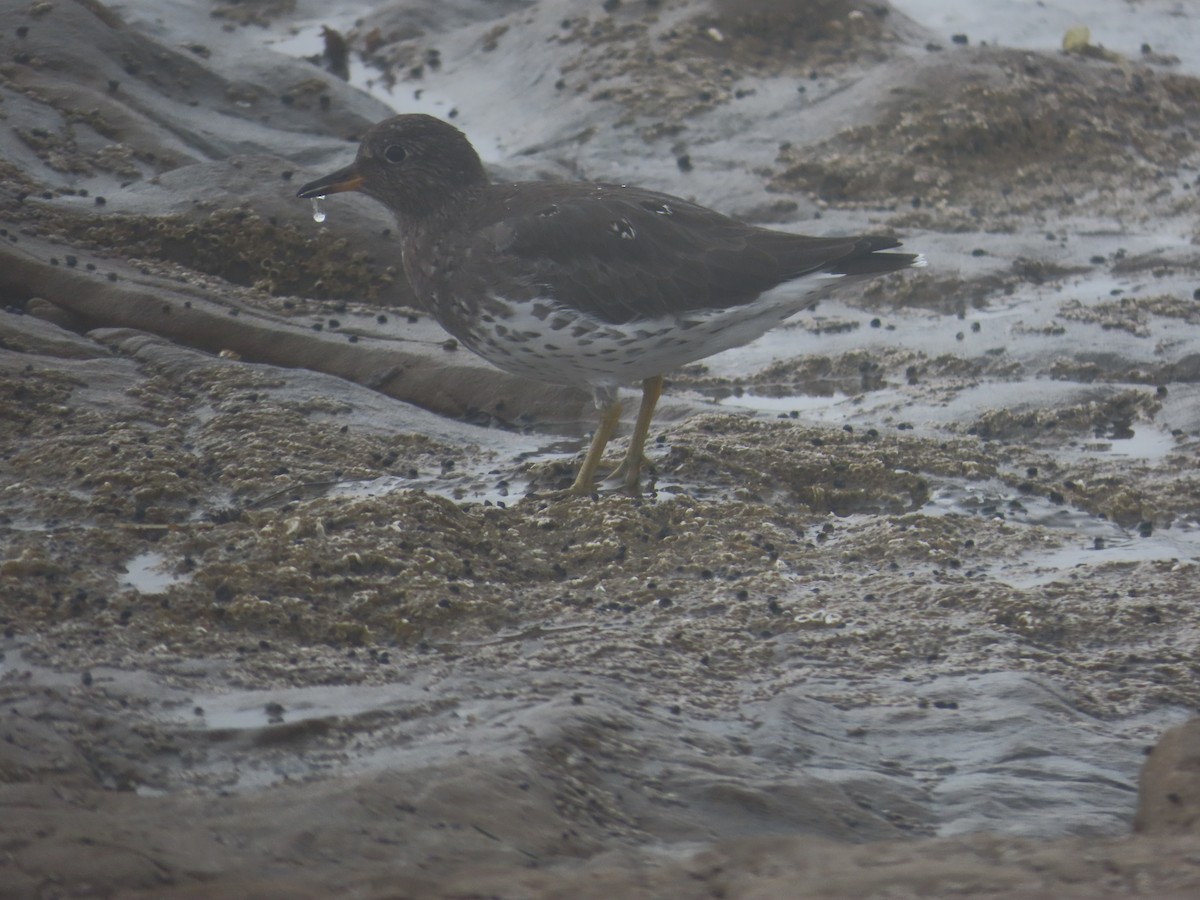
[(626, 477), (629, 473), (578, 489)]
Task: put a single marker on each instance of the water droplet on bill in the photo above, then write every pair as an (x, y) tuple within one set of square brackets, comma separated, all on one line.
[(318, 213)]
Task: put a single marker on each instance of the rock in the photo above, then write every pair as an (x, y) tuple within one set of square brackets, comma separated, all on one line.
[(1169, 791)]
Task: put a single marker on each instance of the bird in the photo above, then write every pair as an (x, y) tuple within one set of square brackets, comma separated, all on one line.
[(589, 284)]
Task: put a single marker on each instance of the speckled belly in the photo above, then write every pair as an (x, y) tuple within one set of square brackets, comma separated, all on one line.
[(538, 340)]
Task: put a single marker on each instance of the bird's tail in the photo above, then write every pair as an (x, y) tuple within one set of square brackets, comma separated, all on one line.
[(868, 258)]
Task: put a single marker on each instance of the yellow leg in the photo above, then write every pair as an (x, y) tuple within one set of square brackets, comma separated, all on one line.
[(585, 480), (631, 467)]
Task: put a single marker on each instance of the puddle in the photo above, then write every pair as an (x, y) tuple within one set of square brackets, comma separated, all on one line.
[(474, 489), (1147, 443), (1091, 540), (793, 406), (24, 523), (472, 479), (995, 500), (1044, 567), (145, 574)]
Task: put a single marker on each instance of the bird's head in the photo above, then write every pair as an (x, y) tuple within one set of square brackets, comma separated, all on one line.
[(413, 164)]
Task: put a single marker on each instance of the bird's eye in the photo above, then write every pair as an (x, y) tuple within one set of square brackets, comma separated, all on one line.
[(395, 153)]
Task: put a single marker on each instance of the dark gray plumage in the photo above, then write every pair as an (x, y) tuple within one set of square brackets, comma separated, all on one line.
[(598, 285)]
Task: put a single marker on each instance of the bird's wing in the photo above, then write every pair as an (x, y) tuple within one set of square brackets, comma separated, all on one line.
[(623, 254)]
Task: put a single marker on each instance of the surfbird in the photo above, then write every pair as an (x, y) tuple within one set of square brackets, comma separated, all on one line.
[(588, 284)]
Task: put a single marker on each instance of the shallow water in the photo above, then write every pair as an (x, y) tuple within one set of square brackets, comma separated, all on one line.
[(145, 573)]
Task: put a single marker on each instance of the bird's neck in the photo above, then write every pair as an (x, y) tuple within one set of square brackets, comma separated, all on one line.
[(423, 208)]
